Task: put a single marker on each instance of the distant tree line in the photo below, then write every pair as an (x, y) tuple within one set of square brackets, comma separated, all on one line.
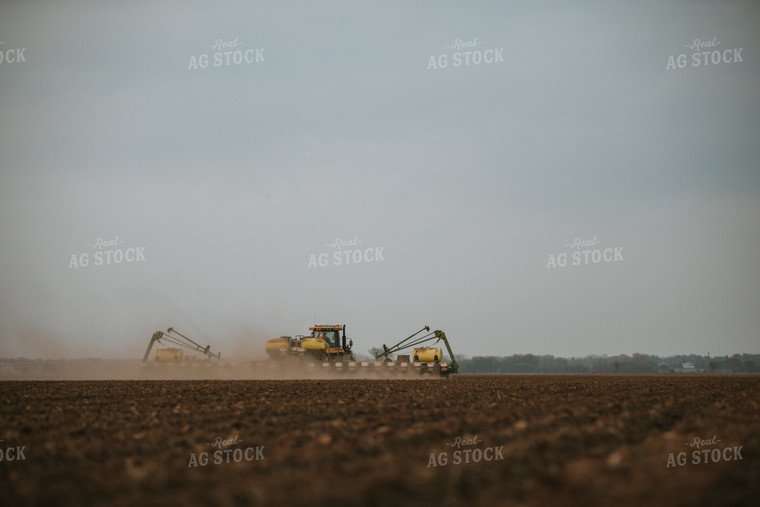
[(637, 363)]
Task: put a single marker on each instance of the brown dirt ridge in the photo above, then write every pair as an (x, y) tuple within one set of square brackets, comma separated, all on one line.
[(524, 440)]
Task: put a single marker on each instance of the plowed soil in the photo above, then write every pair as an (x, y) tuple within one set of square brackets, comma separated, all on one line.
[(553, 440)]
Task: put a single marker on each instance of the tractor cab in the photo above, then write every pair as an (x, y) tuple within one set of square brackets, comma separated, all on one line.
[(326, 342), (329, 334)]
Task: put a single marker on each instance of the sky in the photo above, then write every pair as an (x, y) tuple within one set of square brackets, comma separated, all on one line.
[(459, 188)]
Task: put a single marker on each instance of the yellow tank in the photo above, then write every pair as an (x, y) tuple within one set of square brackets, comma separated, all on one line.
[(428, 355), (168, 355), (278, 347), (310, 343)]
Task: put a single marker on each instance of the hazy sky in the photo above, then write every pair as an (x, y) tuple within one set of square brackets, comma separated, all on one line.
[(461, 184)]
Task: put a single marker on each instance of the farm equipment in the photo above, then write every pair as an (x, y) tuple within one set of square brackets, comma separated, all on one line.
[(326, 345), (174, 354), (323, 344), (326, 349), (425, 359)]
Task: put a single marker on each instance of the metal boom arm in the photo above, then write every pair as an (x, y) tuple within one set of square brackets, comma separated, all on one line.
[(406, 343), (182, 341)]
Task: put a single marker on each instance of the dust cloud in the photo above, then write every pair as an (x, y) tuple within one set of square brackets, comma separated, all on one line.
[(261, 369)]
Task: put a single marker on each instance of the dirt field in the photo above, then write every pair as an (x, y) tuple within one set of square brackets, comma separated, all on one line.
[(537, 440)]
